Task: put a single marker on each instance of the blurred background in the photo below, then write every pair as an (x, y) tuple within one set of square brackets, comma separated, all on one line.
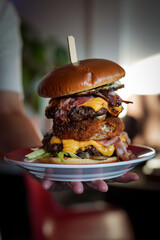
[(127, 32)]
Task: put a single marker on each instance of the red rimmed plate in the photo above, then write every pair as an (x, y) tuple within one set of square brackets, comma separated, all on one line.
[(73, 173)]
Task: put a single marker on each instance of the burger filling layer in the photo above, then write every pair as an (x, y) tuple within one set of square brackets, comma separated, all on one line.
[(77, 107), (106, 148), (87, 124)]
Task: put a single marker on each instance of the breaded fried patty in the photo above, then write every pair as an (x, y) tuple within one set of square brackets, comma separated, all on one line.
[(89, 129)]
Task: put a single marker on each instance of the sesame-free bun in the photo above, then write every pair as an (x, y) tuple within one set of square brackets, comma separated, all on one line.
[(80, 76), (54, 160)]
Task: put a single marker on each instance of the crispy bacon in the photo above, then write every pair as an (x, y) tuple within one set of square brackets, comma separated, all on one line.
[(66, 103), (112, 98), (121, 150), (62, 107), (120, 146), (81, 100), (125, 134), (108, 142), (127, 102)]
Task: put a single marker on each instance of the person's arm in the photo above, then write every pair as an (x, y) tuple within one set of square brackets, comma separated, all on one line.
[(16, 130)]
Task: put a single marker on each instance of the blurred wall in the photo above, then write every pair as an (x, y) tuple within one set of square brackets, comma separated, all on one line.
[(56, 18), (140, 31), (121, 30)]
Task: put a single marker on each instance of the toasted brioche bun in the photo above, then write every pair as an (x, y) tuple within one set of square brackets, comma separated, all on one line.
[(75, 161), (81, 76)]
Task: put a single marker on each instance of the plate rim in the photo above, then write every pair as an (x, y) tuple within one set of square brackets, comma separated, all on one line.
[(74, 166)]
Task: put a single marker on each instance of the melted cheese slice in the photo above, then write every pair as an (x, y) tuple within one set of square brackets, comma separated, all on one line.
[(97, 103), (55, 140), (72, 145), (119, 109)]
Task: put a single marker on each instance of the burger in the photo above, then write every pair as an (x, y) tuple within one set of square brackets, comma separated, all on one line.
[(84, 107)]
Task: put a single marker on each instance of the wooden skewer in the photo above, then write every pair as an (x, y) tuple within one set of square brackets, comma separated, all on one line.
[(72, 49)]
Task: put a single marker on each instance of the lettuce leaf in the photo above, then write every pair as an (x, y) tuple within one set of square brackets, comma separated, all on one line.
[(41, 153), (37, 154), (61, 155)]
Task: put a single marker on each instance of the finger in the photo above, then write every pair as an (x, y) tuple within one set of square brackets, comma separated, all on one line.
[(46, 184), (98, 185), (127, 177), (77, 187), (54, 186)]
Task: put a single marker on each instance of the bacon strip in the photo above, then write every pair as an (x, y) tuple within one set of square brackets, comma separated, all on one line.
[(63, 105), (109, 142), (121, 150), (121, 147), (112, 98), (81, 100)]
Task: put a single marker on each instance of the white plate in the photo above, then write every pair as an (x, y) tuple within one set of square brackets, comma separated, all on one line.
[(73, 173)]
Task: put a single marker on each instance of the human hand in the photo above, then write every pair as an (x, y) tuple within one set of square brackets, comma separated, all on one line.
[(78, 187)]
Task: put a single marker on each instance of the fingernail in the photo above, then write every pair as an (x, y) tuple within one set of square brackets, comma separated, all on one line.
[(46, 185), (79, 191), (104, 188)]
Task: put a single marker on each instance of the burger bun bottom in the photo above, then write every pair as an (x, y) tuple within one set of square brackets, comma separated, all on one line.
[(54, 160)]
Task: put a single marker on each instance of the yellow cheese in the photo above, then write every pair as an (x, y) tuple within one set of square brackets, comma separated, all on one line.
[(119, 109), (97, 103), (72, 145), (55, 140)]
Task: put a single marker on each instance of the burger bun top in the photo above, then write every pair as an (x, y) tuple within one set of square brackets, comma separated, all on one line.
[(80, 76)]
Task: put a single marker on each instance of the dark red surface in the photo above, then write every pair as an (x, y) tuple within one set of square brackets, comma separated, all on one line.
[(19, 154)]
